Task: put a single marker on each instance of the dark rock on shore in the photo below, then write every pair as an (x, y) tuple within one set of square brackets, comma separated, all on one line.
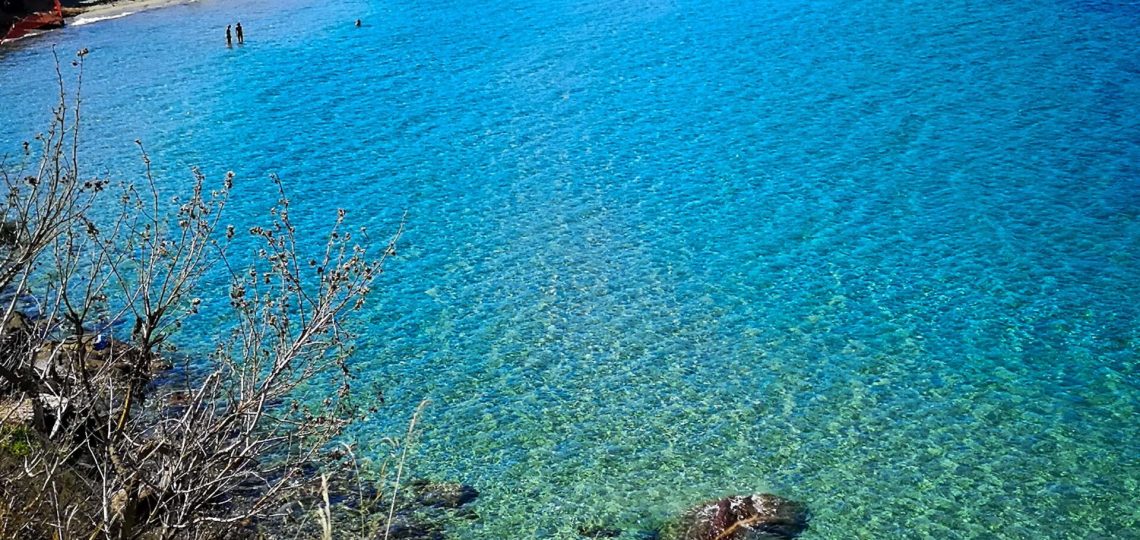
[(421, 513), (741, 517), (443, 494), (9, 232), (98, 352)]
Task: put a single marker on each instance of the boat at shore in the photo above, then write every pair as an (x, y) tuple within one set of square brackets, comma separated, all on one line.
[(21, 17)]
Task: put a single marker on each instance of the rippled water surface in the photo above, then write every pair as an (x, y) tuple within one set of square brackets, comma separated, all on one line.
[(878, 256)]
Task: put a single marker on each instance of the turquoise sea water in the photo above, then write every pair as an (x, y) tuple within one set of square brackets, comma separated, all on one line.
[(882, 257)]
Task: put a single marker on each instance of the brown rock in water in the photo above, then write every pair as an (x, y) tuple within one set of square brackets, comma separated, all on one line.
[(741, 517)]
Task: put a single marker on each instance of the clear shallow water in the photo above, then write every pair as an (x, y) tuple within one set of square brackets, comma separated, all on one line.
[(881, 258)]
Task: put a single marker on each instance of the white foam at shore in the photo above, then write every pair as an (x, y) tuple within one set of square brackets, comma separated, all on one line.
[(81, 20), (31, 33)]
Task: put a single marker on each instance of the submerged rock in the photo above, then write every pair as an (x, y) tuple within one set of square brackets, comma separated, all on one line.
[(443, 494), (403, 527), (591, 531), (742, 517)]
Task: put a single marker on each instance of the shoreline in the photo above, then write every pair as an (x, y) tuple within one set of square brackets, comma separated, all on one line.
[(102, 11)]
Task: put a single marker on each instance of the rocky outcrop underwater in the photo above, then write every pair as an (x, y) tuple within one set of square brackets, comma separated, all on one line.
[(760, 516), (740, 517)]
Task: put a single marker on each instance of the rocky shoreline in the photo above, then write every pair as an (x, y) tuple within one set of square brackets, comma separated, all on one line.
[(426, 508)]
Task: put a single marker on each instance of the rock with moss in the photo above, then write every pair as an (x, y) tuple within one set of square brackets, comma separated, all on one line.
[(17, 441), (740, 517)]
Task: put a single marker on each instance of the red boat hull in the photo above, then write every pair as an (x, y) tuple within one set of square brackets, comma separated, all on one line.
[(16, 23)]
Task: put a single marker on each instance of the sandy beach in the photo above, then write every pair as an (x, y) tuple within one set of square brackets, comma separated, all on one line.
[(101, 11)]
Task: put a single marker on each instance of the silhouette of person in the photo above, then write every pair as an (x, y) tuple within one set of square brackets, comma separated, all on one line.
[(229, 37), (240, 34)]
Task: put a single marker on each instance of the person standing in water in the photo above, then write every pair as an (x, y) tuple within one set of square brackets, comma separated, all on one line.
[(229, 37), (240, 35)]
